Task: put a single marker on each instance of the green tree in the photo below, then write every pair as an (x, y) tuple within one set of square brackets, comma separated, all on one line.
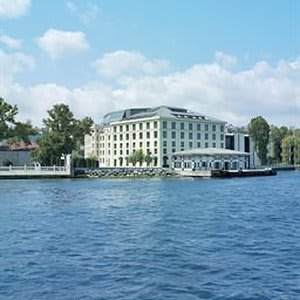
[(22, 132), (277, 136), (259, 131), (7, 118), (63, 134), (148, 159), (291, 148), (132, 158), (140, 156)]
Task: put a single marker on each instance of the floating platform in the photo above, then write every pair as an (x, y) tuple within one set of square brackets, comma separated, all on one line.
[(227, 173)]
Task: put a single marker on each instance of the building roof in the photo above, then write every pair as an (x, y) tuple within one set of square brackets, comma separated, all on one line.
[(210, 152), (159, 111), (20, 146)]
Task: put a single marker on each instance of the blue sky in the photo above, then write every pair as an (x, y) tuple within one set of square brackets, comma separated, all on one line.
[(136, 52)]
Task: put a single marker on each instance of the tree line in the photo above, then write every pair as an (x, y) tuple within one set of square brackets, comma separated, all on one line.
[(275, 145), (62, 133)]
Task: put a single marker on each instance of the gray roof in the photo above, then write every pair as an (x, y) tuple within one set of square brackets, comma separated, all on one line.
[(159, 111), (210, 152)]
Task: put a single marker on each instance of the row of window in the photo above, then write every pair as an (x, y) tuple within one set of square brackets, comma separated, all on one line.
[(168, 124), (140, 126), (191, 135), (191, 126)]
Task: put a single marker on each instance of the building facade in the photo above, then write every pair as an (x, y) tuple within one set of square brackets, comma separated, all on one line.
[(158, 131)]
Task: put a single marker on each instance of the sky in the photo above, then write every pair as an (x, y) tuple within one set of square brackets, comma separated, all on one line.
[(232, 59)]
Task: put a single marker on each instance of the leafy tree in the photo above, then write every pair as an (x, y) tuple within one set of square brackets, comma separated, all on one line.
[(140, 156), (291, 148), (148, 159), (259, 131), (277, 136), (21, 132), (63, 134), (132, 158), (7, 118)]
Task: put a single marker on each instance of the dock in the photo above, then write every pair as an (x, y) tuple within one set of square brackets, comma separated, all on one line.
[(216, 173)]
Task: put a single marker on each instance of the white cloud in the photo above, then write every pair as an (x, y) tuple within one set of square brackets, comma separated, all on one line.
[(85, 16), (212, 89), (14, 8), (59, 43), (128, 63), (224, 59), (10, 42)]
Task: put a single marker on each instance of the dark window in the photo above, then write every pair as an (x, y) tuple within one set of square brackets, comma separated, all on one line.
[(164, 124), (182, 125), (173, 134), (182, 134), (164, 134), (190, 135), (190, 126), (173, 125), (198, 136), (198, 127)]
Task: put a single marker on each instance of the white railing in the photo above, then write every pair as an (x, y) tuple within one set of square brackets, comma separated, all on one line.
[(34, 168)]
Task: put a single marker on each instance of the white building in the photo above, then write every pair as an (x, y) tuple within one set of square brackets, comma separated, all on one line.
[(158, 131), (210, 159)]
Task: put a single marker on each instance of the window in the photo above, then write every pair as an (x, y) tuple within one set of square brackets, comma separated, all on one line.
[(121, 137), (190, 145), (182, 125), (214, 136), (206, 145), (182, 144), (148, 135), (173, 144), (141, 135), (127, 136), (214, 145), (206, 127), (121, 145), (206, 136), (141, 126), (198, 145), (155, 124), (182, 134), (133, 136), (173, 125), (121, 128), (198, 127), (164, 124), (164, 134), (190, 126), (133, 126), (213, 127), (121, 152), (155, 150), (198, 136), (127, 145), (222, 128), (173, 134), (127, 127), (141, 144), (190, 135), (133, 145), (222, 137), (155, 143), (127, 152), (148, 125), (155, 134), (164, 143), (173, 150), (164, 150), (115, 128), (222, 145), (115, 137)]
